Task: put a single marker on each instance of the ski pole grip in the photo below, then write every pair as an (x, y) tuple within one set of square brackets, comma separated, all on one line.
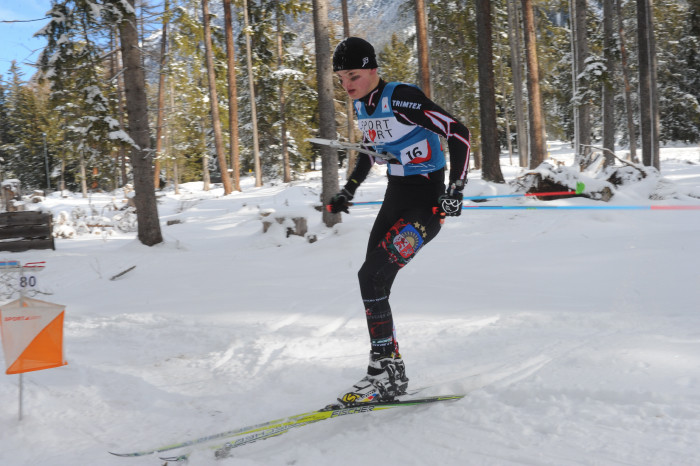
[(437, 211)]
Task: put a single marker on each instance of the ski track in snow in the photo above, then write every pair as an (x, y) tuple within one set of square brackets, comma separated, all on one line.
[(575, 334)]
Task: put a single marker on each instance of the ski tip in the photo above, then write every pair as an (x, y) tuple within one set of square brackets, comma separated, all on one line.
[(128, 455), (436, 398), (174, 459), (321, 141), (403, 400)]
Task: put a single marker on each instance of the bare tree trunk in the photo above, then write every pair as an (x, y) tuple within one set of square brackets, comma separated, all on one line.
[(326, 108), (253, 108), (352, 155), (214, 101), (656, 118), (346, 18), (574, 77), (287, 175), (206, 178), (83, 173), (476, 156), (514, 32), (171, 132), (608, 89), (423, 51), (161, 98), (491, 170), (234, 150), (647, 81), (628, 88), (535, 113), (63, 174), (141, 157), (581, 53), (644, 82), (506, 121), (120, 105)]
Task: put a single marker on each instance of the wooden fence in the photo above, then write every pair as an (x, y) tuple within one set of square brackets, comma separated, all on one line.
[(21, 231)]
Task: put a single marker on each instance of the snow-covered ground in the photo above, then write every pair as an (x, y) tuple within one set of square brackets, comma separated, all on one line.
[(575, 333)]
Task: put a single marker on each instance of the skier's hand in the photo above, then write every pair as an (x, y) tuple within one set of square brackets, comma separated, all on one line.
[(450, 203), (340, 202)]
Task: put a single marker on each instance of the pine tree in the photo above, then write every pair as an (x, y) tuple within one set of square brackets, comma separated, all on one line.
[(214, 100), (22, 150), (678, 48), (396, 61), (188, 118), (301, 107), (487, 95), (270, 79), (452, 27), (72, 63)]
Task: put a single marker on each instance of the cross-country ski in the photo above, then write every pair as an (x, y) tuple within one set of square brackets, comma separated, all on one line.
[(246, 435)]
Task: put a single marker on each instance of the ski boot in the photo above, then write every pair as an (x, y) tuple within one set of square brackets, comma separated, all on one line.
[(385, 380)]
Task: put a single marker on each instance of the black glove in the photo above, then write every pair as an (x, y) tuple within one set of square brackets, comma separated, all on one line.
[(340, 202), (450, 203)]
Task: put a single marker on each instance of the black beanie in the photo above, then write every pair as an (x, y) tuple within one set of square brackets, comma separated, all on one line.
[(354, 53)]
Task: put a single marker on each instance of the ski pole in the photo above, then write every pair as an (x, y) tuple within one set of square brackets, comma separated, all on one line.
[(565, 207), (584, 207), (579, 189), (560, 193), (477, 198)]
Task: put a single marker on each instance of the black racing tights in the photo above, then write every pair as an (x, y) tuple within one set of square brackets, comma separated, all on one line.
[(404, 224)]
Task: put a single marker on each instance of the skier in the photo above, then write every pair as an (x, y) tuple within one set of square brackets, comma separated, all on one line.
[(398, 120)]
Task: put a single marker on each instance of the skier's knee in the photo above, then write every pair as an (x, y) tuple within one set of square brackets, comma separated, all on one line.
[(372, 281), (367, 275)]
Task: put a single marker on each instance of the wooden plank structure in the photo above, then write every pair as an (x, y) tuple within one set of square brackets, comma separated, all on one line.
[(22, 231)]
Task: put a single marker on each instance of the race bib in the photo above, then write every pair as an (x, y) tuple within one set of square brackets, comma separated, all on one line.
[(416, 153)]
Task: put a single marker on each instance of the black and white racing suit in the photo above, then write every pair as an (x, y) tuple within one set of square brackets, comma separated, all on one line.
[(399, 119)]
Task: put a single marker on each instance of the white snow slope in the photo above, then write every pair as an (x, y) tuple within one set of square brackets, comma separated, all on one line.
[(575, 333)]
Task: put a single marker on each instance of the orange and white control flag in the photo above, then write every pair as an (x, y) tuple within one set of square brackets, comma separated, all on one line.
[(32, 335)]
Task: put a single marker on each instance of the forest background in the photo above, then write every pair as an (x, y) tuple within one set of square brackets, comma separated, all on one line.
[(65, 126)]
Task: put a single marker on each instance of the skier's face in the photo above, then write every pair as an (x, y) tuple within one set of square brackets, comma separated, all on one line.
[(358, 83)]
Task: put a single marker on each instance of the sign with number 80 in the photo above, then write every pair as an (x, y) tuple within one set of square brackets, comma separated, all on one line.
[(27, 282)]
